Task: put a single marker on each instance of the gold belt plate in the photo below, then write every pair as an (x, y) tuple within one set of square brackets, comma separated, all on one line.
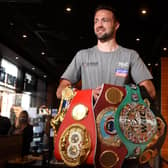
[(74, 145)]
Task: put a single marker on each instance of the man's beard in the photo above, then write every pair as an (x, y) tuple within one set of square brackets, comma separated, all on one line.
[(105, 36)]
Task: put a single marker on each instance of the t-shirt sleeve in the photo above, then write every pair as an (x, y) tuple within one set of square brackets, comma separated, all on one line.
[(139, 70), (73, 71)]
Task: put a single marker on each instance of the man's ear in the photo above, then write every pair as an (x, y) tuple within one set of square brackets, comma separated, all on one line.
[(117, 25)]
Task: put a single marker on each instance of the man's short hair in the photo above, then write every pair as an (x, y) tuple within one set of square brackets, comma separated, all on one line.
[(110, 8)]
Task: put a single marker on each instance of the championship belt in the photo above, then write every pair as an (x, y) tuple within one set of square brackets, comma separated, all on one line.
[(135, 123), (75, 142), (157, 141), (67, 95), (110, 151), (154, 146)]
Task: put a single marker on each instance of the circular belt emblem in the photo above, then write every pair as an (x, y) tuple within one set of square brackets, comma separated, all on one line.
[(108, 159), (75, 137), (74, 145), (160, 131), (73, 151), (137, 123), (161, 126), (113, 95), (106, 129), (79, 112), (146, 156), (147, 102), (67, 93)]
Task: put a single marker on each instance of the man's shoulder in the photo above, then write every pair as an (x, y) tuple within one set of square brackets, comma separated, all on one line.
[(86, 50), (129, 50)]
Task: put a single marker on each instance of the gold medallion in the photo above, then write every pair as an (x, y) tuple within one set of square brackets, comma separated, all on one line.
[(161, 126), (79, 112), (105, 126), (147, 102), (113, 95), (146, 156), (108, 159), (67, 93), (74, 145)]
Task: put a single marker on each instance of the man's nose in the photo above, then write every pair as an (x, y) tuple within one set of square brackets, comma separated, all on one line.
[(99, 23)]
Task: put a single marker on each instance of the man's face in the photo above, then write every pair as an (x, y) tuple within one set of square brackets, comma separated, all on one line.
[(105, 26)]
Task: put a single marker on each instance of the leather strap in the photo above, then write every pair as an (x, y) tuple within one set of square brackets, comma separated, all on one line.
[(75, 142), (110, 151)]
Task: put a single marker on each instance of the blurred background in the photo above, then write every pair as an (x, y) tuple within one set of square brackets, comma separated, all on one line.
[(39, 38)]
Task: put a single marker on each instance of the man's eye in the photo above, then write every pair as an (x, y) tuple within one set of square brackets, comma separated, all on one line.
[(95, 21), (105, 20), (102, 20)]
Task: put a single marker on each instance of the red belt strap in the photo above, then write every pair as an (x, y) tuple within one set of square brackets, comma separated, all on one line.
[(110, 151), (76, 124)]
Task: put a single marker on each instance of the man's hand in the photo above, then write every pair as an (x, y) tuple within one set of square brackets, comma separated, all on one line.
[(96, 92), (63, 84)]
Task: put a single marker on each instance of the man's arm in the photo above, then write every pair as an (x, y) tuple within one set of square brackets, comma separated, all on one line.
[(63, 84), (149, 87)]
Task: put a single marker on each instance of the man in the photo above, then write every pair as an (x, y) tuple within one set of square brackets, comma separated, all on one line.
[(107, 62)]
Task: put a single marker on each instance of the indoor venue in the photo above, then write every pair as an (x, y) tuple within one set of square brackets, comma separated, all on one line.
[(38, 41)]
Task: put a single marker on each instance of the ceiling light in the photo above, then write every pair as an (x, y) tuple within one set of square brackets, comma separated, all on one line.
[(44, 76), (137, 39), (16, 58), (42, 53), (24, 36), (165, 49), (68, 9), (33, 68), (11, 23), (149, 64), (144, 11)]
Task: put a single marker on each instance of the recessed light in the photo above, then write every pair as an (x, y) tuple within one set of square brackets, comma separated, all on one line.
[(165, 49), (144, 11), (11, 23), (42, 53), (137, 39), (24, 36), (68, 9)]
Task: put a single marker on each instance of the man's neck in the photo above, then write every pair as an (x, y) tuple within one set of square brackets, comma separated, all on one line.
[(107, 46)]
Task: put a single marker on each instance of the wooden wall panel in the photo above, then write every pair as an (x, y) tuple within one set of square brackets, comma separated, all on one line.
[(164, 101)]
